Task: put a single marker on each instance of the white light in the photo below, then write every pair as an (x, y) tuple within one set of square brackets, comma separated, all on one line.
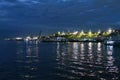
[(35, 38), (75, 32), (99, 46), (110, 42), (18, 38), (109, 30), (58, 32), (63, 33), (99, 31), (90, 32), (82, 32), (27, 38)]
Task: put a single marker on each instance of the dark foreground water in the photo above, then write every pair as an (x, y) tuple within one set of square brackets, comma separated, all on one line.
[(59, 61)]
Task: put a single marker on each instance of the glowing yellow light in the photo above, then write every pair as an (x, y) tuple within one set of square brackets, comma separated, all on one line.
[(90, 32), (58, 32), (82, 32)]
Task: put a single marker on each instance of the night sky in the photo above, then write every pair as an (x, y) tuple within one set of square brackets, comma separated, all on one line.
[(32, 16)]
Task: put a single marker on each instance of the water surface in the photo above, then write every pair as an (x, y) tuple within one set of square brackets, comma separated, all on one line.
[(59, 61)]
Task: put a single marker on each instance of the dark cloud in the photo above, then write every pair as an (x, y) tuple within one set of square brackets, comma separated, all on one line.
[(49, 14)]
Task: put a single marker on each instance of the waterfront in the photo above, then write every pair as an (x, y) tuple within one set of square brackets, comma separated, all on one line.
[(76, 36), (59, 61)]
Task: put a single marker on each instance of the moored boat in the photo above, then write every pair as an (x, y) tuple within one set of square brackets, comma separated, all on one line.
[(112, 42)]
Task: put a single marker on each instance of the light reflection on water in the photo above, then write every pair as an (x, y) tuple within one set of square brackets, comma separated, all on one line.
[(87, 61), (65, 61), (27, 61)]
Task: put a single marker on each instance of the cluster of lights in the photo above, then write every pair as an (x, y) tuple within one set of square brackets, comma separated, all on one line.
[(90, 33), (75, 34)]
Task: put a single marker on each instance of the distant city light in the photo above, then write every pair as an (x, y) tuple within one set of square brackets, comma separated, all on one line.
[(27, 38), (109, 30), (90, 33), (58, 32), (73, 36), (63, 33), (99, 31), (82, 32), (75, 32), (18, 38), (35, 38)]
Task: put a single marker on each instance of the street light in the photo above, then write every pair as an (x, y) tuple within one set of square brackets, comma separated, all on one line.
[(109, 30), (99, 31), (82, 32), (90, 33)]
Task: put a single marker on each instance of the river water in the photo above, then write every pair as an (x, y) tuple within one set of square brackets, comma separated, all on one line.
[(59, 61)]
